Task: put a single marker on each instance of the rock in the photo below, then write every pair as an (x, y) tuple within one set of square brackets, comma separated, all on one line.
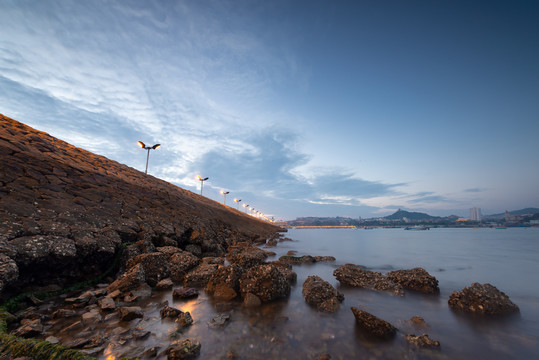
[(30, 329), (297, 260), (286, 270), (9, 271), (165, 284), (374, 325), (83, 298), (251, 300), (52, 339), (156, 266), (266, 282), (324, 258), (356, 276), (248, 257), (141, 292), (63, 314), (219, 321), (169, 250), (91, 317), (321, 294), (107, 303), (483, 299), (418, 322), (130, 280), (184, 293), (422, 341), (199, 276), (225, 282), (129, 313), (183, 350), (184, 319), (416, 279), (180, 264), (170, 312)]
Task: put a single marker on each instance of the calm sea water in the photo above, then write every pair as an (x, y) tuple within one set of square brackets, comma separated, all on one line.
[(290, 329)]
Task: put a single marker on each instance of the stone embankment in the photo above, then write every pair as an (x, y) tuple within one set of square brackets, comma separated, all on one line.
[(65, 213)]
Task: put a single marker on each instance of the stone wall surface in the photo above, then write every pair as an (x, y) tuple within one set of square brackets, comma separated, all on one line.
[(65, 212)]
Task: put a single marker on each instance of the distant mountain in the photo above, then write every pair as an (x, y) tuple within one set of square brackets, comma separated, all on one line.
[(410, 215), (513, 213)]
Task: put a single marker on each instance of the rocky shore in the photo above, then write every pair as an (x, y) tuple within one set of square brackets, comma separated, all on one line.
[(142, 253)]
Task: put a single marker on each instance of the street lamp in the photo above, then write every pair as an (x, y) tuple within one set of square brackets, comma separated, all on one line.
[(199, 178), (143, 146), (245, 206), (237, 201), (224, 194)]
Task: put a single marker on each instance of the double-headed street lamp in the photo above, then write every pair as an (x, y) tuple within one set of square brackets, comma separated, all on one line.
[(224, 194), (201, 179), (237, 201), (142, 145)]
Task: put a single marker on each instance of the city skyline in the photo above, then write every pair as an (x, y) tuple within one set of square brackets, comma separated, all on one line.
[(298, 108)]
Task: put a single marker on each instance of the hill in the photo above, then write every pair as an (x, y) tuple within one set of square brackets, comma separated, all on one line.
[(65, 212), (410, 215)]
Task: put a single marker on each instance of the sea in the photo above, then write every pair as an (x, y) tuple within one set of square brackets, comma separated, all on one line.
[(291, 329)]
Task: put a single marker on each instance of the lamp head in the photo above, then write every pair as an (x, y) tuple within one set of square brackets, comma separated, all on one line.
[(156, 146), (141, 144)]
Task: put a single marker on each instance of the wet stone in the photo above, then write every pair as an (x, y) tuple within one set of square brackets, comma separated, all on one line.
[(483, 299), (130, 312), (374, 325), (219, 321), (183, 350), (422, 341)]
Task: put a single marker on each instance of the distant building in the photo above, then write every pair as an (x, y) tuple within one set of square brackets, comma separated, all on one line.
[(475, 214)]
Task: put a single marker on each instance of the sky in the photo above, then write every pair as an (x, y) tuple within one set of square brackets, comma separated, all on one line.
[(298, 108)]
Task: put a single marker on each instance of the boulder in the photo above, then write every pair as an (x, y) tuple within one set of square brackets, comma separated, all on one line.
[(130, 280), (416, 279), (483, 299), (55, 251), (29, 329), (9, 271), (266, 282), (129, 313), (247, 257), (286, 270), (374, 325), (321, 294), (170, 312), (422, 341), (224, 284), (183, 350), (165, 284), (357, 276), (180, 264), (199, 276), (107, 303), (156, 266)]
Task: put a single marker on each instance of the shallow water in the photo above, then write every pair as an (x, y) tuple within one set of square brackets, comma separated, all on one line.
[(508, 259)]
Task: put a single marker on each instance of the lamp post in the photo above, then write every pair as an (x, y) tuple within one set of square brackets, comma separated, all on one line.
[(143, 146), (246, 207), (224, 194), (237, 201), (201, 179)]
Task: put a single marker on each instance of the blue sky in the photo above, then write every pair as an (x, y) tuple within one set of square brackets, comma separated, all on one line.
[(299, 108)]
